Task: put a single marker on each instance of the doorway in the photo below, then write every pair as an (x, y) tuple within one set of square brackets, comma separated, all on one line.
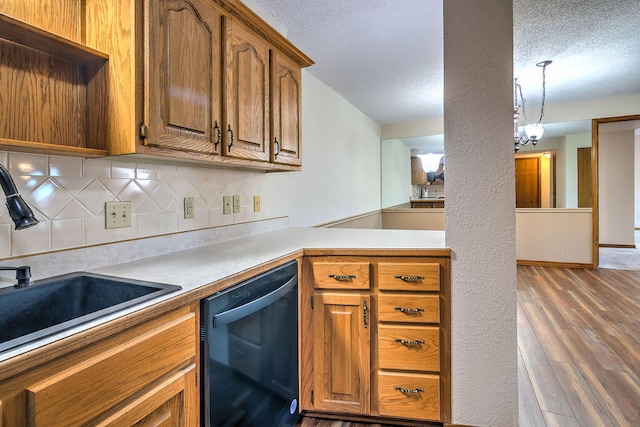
[(595, 164)]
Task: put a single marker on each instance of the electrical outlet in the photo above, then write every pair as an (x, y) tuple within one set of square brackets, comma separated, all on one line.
[(227, 205), (256, 203), (189, 208), (236, 204), (117, 214)]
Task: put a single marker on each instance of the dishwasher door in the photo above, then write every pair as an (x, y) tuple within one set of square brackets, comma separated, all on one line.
[(250, 352)]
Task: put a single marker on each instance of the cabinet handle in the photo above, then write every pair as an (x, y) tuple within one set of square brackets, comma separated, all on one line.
[(409, 310), (276, 144), (409, 343), (342, 278), (409, 278), (364, 312), (407, 391), (217, 128), (231, 132)]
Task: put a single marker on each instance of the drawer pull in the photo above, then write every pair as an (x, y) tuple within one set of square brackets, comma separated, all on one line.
[(409, 278), (364, 312), (408, 343), (409, 310), (407, 391), (342, 278)]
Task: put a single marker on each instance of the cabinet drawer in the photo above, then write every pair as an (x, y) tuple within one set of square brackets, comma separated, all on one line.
[(409, 395), (340, 275), (413, 308), (409, 347), (404, 276), (77, 395)]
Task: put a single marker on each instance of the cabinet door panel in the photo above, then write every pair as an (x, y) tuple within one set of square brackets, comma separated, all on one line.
[(341, 353), (246, 94), (285, 110), (183, 96)]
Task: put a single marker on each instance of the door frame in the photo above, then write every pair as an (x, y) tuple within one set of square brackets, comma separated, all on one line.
[(595, 233)]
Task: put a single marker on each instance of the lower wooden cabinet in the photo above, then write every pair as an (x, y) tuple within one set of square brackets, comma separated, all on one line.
[(341, 352), (381, 337), (145, 375)]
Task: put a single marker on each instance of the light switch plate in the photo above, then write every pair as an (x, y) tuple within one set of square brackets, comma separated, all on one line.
[(236, 204), (117, 214), (256, 203), (227, 205), (189, 208)]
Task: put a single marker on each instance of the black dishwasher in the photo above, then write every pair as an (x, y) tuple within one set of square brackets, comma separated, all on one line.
[(249, 337)]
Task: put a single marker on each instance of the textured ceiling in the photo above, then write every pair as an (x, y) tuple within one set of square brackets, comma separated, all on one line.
[(386, 56)]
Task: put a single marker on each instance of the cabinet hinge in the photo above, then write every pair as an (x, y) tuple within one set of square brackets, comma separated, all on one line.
[(311, 302), (196, 379), (143, 132), (312, 400)]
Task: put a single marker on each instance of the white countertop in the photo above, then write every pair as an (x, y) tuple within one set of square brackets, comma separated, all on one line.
[(199, 266)]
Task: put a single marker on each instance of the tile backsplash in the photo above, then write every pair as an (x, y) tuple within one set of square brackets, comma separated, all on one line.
[(68, 195)]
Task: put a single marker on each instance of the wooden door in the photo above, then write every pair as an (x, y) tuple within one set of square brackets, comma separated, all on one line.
[(246, 134), (528, 182), (183, 83), (286, 134), (341, 352), (584, 177)]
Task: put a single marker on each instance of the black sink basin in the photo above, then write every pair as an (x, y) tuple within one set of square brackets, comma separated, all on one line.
[(58, 303)]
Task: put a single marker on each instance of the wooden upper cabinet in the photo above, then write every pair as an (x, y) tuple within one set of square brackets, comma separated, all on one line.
[(183, 83), (247, 94), (286, 134)]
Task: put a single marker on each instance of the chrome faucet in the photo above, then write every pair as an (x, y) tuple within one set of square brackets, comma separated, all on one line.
[(23, 275)]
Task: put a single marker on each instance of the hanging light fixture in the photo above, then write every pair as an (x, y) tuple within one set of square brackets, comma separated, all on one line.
[(534, 131)]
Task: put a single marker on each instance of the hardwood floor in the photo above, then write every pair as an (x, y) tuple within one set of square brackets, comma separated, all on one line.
[(578, 349)]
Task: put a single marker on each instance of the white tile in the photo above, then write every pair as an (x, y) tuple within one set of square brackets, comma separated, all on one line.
[(163, 196), (167, 172), (147, 207), (146, 171), (134, 194), (167, 222), (147, 225), (215, 217), (201, 218), (96, 168), (95, 232), (184, 173), (49, 198), (73, 185), (5, 240), (126, 233), (65, 166), (31, 240), (25, 183), (28, 164), (74, 210), (115, 185), (67, 233), (3, 159), (123, 170), (149, 185), (94, 196), (209, 195)]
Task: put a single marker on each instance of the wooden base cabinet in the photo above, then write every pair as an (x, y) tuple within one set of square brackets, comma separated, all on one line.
[(381, 337), (146, 375)]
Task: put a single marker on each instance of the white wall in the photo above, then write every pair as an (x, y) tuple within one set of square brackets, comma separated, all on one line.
[(637, 181), (616, 187), (480, 209), (396, 170), (340, 174)]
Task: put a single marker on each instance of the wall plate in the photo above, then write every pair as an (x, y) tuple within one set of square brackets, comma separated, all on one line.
[(227, 205), (189, 208), (256, 203), (117, 214), (236, 204)]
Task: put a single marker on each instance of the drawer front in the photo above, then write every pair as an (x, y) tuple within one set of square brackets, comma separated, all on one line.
[(409, 395), (414, 348), (397, 276), (79, 394), (340, 275), (412, 308)]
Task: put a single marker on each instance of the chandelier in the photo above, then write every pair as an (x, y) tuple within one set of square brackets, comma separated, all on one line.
[(534, 131)]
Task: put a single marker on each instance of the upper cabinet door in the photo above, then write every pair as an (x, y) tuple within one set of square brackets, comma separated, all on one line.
[(183, 79), (246, 134), (286, 117)]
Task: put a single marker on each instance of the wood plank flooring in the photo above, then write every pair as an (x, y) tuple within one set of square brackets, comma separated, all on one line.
[(578, 349)]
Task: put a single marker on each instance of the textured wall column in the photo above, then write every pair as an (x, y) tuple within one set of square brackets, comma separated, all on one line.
[(480, 209)]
